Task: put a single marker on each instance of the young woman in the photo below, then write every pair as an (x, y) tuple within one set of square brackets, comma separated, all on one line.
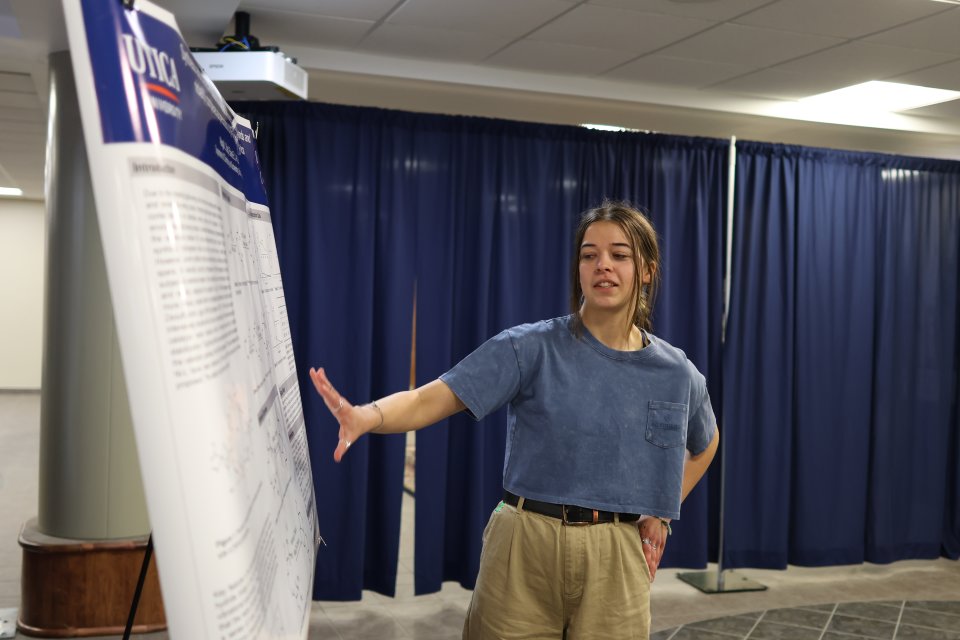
[(608, 430)]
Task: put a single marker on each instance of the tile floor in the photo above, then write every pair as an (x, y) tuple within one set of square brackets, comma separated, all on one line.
[(927, 620), (836, 603)]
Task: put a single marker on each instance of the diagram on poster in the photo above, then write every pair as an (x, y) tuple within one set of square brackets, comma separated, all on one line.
[(204, 337)]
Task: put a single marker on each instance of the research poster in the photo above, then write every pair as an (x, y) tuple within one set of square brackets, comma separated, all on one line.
[(201, 318)]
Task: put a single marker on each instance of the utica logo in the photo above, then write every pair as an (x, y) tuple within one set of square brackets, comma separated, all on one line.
[(156, 65)]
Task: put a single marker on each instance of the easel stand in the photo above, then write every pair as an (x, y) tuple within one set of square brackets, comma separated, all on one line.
[(147, 554)]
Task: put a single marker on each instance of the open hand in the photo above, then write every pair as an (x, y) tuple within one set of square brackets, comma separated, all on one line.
[(350, 417)]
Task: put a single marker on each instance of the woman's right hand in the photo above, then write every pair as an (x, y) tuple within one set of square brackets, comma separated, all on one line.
[(653, 538), (354, 421)]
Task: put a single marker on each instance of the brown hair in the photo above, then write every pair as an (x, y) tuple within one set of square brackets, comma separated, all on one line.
[(636, 226)]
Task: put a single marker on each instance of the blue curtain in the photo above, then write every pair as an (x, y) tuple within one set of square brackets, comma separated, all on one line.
[(494, 250), (474, 218), (839, 373), (343, 216)]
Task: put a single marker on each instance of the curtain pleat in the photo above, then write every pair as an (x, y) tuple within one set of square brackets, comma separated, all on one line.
[(840, 364)]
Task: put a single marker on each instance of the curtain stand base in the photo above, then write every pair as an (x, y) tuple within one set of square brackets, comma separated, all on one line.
[(722, 582)]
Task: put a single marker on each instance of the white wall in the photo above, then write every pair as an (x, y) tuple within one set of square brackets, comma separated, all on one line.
[(22, 264)]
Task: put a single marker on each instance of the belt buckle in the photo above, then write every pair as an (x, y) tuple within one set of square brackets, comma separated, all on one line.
[(563, 511)]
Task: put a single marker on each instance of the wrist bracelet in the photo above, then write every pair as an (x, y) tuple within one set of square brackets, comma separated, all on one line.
[(666, 523), (380, 411)]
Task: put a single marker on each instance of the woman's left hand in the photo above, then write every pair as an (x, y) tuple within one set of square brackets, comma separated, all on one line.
[(354, 420), (653, 535)]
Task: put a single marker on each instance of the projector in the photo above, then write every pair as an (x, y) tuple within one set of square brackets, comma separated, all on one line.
[(254, 75)]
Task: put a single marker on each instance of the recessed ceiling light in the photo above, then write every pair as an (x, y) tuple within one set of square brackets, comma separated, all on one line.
[(948, 1), (877, 96), (607, 127), (10, 191)]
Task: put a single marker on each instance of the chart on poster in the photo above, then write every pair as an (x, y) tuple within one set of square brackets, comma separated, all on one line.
[(201, 318)]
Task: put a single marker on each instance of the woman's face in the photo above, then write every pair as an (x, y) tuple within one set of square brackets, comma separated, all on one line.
[(607, 268)]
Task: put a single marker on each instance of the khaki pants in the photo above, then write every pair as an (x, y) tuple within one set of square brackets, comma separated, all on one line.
[(542, 579)]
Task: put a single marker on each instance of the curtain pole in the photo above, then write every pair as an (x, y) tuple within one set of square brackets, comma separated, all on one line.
[(727, 276), (710, 581), (728, 260), (731, 184)]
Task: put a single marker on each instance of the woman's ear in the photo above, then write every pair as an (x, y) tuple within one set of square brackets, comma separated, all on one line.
[(649, 268)]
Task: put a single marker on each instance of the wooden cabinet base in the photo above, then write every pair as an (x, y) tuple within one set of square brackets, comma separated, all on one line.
[(75, 588)]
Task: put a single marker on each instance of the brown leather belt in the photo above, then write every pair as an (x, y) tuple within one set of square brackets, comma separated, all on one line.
[(570, 514)]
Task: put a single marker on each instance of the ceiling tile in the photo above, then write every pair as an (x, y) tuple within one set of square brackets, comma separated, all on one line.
[(23, 135), (16, 82), (842, 18), (16, 160), (943, 76), (435, 44), (14, 127), (705, 10), (551, 57), (618, 29), (201, 23), (355, 9), (750, 46), (781, 85), (949, 110), (22, 116), (936, 33), (504, 18), (660, 69), (19, 100), (862, 61), (18, 148), (311, 30)]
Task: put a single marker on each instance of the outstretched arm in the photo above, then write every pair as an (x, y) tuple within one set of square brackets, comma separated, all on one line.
[(397, 413)]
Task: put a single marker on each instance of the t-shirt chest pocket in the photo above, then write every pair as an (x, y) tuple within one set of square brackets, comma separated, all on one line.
[(666, 423)]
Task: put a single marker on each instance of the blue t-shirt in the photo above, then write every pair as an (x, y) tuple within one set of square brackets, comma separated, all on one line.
[(588, 425)]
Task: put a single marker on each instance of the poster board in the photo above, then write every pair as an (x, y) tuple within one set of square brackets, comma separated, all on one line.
[(201, 319)]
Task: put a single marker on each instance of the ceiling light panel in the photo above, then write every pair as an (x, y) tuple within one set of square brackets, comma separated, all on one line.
[(878, 96)]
